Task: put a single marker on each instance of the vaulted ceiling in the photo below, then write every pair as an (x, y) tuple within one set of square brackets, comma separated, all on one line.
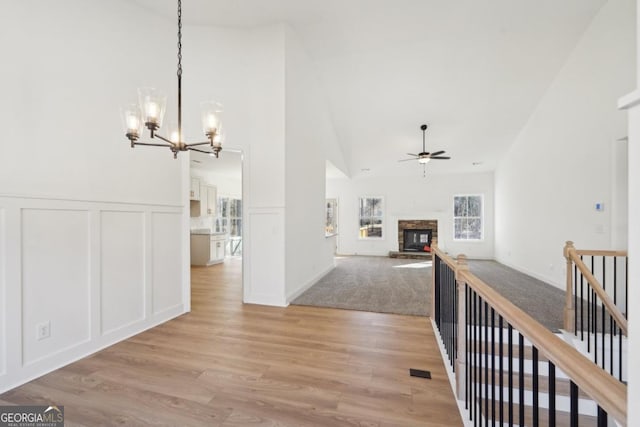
[(473, 70)]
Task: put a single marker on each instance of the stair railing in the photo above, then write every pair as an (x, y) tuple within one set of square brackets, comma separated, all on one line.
[(486, 333), (596, 296)]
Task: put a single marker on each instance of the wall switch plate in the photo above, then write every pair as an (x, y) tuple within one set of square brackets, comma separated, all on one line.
[(43, 330)]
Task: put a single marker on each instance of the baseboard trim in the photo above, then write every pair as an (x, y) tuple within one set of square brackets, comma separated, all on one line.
[(533, 274), (295, 294), (68, 356), (464, 414)]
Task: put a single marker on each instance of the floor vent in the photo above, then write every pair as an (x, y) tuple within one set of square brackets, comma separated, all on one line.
[(420, 373)]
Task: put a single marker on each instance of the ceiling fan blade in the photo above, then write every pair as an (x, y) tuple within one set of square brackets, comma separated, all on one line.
[(406, 160), (437, 153), (441, 158), (411, 154)]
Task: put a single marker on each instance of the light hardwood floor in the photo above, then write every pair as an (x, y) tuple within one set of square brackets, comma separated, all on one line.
[(229, 364)]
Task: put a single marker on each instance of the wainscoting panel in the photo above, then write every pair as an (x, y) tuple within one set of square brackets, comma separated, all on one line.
[(55, 281), (3, 287), (266, 281), (85, 271), (122, 276), (166, 231)]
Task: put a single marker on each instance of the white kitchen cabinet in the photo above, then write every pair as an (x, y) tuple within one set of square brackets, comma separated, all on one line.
[(194, 192), (207, 249), (216, 248), (208, 200)]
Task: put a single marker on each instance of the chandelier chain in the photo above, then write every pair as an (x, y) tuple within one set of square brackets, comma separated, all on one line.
[(179, 38)]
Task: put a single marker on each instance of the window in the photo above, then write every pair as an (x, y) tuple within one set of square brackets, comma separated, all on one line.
[(229, 220), (331, 220), (371, 216), (467, 217)]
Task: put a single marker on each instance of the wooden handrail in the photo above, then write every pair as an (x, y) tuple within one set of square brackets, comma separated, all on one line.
[(595, 252), (573, 255), (608, 392)]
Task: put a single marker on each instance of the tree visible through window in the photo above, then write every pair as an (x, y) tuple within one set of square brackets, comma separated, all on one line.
[(371, 216), (331, 220), (229, 220), (467, 217)]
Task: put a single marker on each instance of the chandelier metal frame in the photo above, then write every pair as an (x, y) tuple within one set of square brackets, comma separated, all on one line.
[(150, 111)]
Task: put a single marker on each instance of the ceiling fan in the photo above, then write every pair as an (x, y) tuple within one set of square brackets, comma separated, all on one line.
[(424, 156)]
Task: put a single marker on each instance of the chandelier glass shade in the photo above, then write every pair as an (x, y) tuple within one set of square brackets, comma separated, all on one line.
[(150, 109)]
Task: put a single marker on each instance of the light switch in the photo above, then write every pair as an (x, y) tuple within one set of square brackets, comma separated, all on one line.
[(599, 206)]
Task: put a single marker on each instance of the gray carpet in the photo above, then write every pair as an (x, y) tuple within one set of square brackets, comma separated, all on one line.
[(387, 285), (538, 299), (380, 284)]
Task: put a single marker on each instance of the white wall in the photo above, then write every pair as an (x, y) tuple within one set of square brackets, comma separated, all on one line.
[(244, 70), (309, 132), (411, 198), (86, 223), (561, 163)]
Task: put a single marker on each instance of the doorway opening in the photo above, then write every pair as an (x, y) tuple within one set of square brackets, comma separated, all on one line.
[(216, 210)]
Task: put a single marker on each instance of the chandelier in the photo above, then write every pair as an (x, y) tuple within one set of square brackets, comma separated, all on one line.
[(150, 109)]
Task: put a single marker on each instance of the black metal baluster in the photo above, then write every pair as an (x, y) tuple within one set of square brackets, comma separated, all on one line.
[(620, 354), (436, 291), (467, 316), (589, 319), (626, 287), (446, 312), (581, 306), (455, 319), (501, 368), (604, 287), (521, 378), (602, 417), (476, 349), (486, 364), (552, 394), (510, 369), (493, 368), (611, 334), (615, 280), (594, 301), (536, 388), (575, 300), (573, 412)]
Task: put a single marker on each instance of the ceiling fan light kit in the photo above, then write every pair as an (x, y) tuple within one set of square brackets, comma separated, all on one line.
[(424, 156), (149, 113)]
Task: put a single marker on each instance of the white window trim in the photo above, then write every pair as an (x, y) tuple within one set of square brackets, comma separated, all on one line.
[(482, 218), (384, 218)]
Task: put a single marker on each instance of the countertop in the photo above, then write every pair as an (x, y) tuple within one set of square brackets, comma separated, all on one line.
[(207, 231)]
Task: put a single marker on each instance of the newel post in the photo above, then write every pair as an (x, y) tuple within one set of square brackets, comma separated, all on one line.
[(461, 368), (569, 309)]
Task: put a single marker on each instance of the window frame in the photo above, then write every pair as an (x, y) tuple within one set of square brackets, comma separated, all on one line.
[(382, 219), (481, 218), (331, 203)]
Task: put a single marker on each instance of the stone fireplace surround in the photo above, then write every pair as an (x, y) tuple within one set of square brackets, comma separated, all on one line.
[(415, 224)]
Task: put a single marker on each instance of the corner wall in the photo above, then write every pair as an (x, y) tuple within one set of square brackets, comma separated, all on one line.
[(245, 71), (561, 163), (310, 141)]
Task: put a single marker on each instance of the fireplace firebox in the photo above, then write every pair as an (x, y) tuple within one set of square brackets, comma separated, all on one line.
[(416, 240)]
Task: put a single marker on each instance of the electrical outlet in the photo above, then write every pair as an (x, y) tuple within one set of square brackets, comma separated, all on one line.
[(43, 330)]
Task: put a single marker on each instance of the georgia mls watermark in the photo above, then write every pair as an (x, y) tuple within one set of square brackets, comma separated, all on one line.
[(31, 416)]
